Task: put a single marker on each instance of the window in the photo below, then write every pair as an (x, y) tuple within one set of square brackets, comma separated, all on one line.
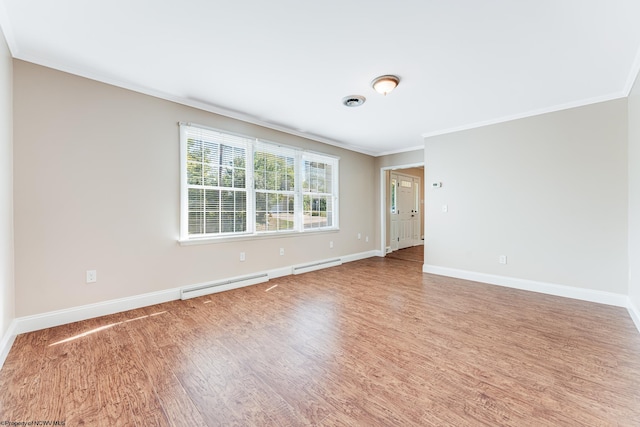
[(394, 196), (274, 177), (234, 185), (216, 190), (317, 192)]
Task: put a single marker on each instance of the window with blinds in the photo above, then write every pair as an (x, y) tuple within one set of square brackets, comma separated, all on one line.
[(274, 184), (235, 185), (317, 192)]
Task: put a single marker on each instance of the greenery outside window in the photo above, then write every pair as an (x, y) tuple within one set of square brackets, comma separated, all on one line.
[(274, 183), (317, 191), (233, 185)]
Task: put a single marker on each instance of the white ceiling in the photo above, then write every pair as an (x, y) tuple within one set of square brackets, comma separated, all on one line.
[(287, 64)]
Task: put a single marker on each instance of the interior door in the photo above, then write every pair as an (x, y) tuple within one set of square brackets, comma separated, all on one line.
[(404, 201)]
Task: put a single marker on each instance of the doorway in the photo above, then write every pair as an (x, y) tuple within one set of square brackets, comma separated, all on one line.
[(404, 212), (402, 207)]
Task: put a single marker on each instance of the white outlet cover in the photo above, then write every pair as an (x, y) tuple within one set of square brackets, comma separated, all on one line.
[(92, 276)]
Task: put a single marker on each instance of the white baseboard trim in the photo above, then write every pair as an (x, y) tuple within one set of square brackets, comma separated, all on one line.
[(7, 341), (51, 319), (89, 311), (358, 256), (202, 289), (279, 272), (315, 266), (602, 297), (634, 313)]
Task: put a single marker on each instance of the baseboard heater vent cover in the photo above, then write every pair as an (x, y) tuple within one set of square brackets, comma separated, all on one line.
[(222, 285), (316, 266)]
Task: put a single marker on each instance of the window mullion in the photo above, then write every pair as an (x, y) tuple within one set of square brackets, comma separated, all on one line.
[(251, 189), (297, 198)]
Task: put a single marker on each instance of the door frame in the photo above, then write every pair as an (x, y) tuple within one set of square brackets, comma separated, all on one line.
[(383, 199)]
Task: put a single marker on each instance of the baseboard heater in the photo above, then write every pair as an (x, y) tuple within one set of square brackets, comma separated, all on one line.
[(222, 285), (299, 269)]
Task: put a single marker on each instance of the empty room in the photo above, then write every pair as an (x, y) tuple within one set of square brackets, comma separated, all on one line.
[(329, 214)]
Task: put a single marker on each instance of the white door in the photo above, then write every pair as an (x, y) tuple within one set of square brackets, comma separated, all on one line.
[(404, 218), (405, 212)]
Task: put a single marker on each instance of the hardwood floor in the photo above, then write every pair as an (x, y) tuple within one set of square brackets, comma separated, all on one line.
[(413, 253), (372, 343)]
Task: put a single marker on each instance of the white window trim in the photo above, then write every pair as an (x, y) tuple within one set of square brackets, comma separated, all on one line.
[(300, 156)]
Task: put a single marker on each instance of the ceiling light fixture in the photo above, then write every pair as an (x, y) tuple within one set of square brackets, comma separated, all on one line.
[(385, 84), (353, 100)]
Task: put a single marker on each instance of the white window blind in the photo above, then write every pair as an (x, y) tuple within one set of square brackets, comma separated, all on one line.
[(215, 165), (319, 195), (237, 185), (275, 185)]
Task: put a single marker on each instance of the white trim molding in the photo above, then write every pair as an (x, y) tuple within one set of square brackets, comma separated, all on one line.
[(51, 319), (380, 253), (383, 203), (89, 311), (591, 295), (634, 313), (359, 256), (7, 341), (532, 113), (216, 286)]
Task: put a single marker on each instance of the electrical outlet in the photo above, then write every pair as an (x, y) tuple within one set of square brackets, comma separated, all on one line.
[(331, 244), (92, 276), (445, 208), (242, 256), (502, 259), (281, 251), (366, 239), (359, 236)]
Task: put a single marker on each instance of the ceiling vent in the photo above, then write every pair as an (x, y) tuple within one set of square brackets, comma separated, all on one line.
[(353, 100)]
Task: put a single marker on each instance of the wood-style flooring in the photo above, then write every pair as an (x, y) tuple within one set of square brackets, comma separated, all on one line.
[(413, 253), (369, 343)]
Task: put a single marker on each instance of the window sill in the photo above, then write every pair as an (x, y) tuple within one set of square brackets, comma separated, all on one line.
[(245, 237)]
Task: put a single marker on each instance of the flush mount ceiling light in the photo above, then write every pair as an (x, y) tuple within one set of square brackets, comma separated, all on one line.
[(353, 100), (385, 84)]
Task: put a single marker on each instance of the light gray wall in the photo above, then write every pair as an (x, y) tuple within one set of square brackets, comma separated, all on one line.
[(400, 159), (634, 195), (7, 300), (97, 187), (549, 192)]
